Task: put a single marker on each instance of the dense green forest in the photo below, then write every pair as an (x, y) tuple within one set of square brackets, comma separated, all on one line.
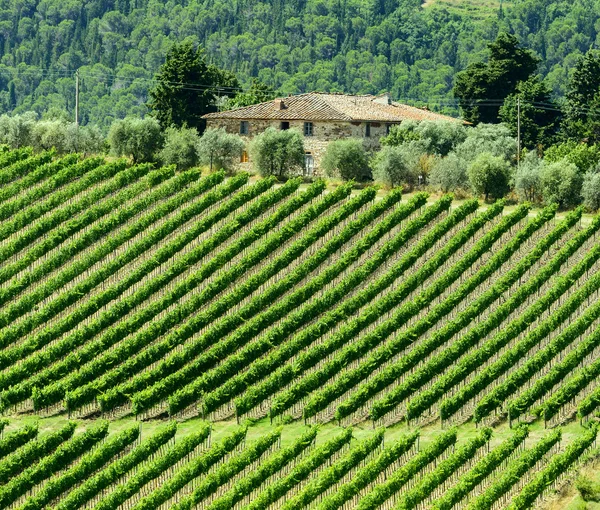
[(356, 46)]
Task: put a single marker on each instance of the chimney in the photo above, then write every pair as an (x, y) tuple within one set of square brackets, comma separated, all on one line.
[(383, 99), (279, 104)]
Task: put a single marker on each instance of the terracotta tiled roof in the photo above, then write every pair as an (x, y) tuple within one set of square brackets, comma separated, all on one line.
[(316, 106)]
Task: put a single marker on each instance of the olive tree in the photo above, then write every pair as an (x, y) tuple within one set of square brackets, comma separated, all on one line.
[(561, 183), (346, 159), (449, 174), (48, 134), (15, 131), (219, 149), (141, 139), (87, 139), (276, 152), (527, 178), (489, 176), (590, 192), (180, 148), (494, 139), (436, 137), (391, 168)]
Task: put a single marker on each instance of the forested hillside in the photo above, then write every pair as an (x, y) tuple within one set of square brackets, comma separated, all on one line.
[(358, 46)]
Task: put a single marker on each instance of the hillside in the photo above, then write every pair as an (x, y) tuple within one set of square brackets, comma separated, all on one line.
[(355, 46), (137, 293)]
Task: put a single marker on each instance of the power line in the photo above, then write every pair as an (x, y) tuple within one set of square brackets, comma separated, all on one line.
[(444, 100), (114, 78)]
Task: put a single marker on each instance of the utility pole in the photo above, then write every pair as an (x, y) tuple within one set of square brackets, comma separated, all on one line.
[(518, 131), (77, 98)]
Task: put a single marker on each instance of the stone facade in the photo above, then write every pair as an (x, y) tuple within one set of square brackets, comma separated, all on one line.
[(324, 132)]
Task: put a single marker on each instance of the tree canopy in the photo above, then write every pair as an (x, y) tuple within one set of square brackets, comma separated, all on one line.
[(354, 46), (482, 87), (187, 87)]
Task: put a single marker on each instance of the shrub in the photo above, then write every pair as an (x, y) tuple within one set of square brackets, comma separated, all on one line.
[(219, 149), (390, 167), (180, 148), (560, 183), (276, 152), (449, 174), (346, 159), (588, 490), (489, 176)]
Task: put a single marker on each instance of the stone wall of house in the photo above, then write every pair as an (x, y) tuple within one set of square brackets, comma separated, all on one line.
[(323, 133)]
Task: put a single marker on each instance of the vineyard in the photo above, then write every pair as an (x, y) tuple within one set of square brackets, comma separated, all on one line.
[(93, 469), (131, 292)]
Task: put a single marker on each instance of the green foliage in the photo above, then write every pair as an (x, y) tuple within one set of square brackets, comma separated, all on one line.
[(587, 488), (502, 338), (494, 139), (471, 362), (356, 350), (556, 467), (539, 114), (482, 86), (187, 87), (390, 168), (560, 183), (358, 46), (279, 153), (502, 484), (590, 191), (302, 470), (527, 178), (138, 138), (330, 476), (583, 99), (401, 133), (449, 174), (95, 484), (441, 136), (257, 93), (58, 134), (583, 156), (218, 149), (436, 137), (489, 176), (180, 148), (348, 160), (15, 131), (199, 466), (481, 470)]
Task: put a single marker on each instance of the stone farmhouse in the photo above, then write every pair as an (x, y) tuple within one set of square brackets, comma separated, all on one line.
[(321, 118)]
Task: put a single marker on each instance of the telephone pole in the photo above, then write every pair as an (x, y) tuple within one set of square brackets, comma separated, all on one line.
[(77, 98), (518, 131)]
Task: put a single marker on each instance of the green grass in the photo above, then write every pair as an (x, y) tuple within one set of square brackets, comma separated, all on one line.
[(290, 431)]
